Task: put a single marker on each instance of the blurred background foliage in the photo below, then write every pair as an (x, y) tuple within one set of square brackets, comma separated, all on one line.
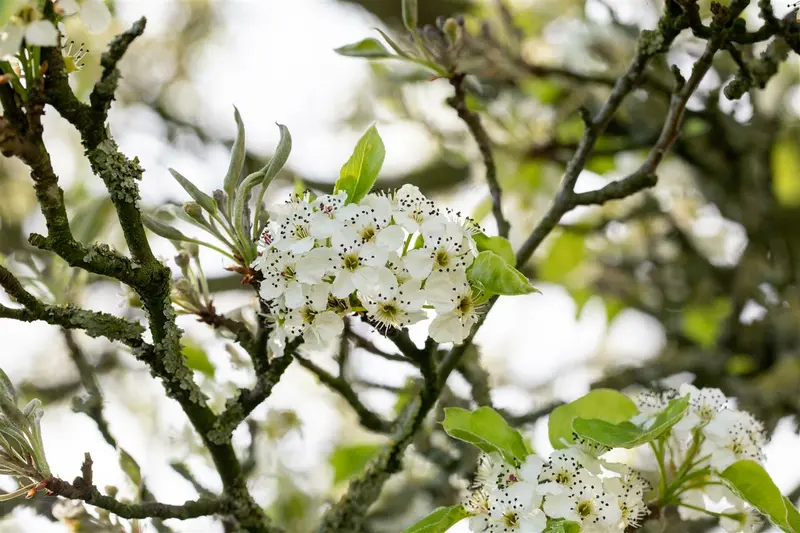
[(712, 253)]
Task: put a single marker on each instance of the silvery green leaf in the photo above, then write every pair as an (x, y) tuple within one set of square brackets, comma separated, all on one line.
[(17, 493), (163, 230), (410, 15), (6, 387), (263, 177), (32, 405), (274, 166), (204, 200), (236, 164), (396, 47)]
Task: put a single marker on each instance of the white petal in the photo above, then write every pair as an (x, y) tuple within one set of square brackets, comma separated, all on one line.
[(318, 296), (10, 40), (271, 289), (405, 220), (560, 506), (294, 295), (447, 327), (441, 292), (531, 468), (67, 7), (343, 284), (41, 33), (418, 263), (314, 264), (95, 15), (328, 326), (410, 296), (303, 245), (534, 523), (391, 238), (373, 255)]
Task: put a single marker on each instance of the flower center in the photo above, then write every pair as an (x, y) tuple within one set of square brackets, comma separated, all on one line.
[(563, 478), (442, 258), (301, 232), (510, 519), (308, 314), (389, 310), (465, 305), (584, 509), (367, 233), (351, 262), (288, 273)]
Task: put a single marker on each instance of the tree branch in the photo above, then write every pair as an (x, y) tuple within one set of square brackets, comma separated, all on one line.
[(473, 122)]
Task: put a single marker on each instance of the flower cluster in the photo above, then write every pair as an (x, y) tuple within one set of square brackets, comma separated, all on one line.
[(716, 431), (506, 498), (388, 257), (27, 22), (709, 438)]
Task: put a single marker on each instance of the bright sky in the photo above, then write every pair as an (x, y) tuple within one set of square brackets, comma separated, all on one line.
[(297, 80)]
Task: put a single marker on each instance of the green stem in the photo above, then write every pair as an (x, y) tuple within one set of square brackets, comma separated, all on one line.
[(706, 511), (407, 243), (662, 470)]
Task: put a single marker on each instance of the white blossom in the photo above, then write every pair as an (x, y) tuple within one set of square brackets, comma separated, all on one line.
[(586, 503), (452, 297)]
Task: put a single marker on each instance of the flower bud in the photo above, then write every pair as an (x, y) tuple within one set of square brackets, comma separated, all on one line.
[(453, 31), (194, 210), (111, 490), (222, 200), (192, 248), (182, 259)]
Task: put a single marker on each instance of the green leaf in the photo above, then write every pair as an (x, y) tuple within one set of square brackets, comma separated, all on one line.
[(410, 16), (163, 230), (439, 520), (629, 435), (486, 429), (263, 177), (368, 48), (276, 163), (205, 201), (492, 274), (196, 358), (562, 526), (498, 245), (236, 163), (358, 175), (131, 468), (7, 387), (786, 171), (603, 404), (349, 461), (751, 482), (566, 253), (396, 47), (702, 322)]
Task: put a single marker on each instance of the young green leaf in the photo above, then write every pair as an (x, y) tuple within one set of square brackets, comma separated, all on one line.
[(396, 47), (197, 358), (368, 48), (358, 175), (131, 468), (410, 16), (562, 526), (495, 276), (751, 482), (498, 245), (629, 435), (205, 201), (349, 461), (439, 520), (236, 163), (603, 404), (486, 429)]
